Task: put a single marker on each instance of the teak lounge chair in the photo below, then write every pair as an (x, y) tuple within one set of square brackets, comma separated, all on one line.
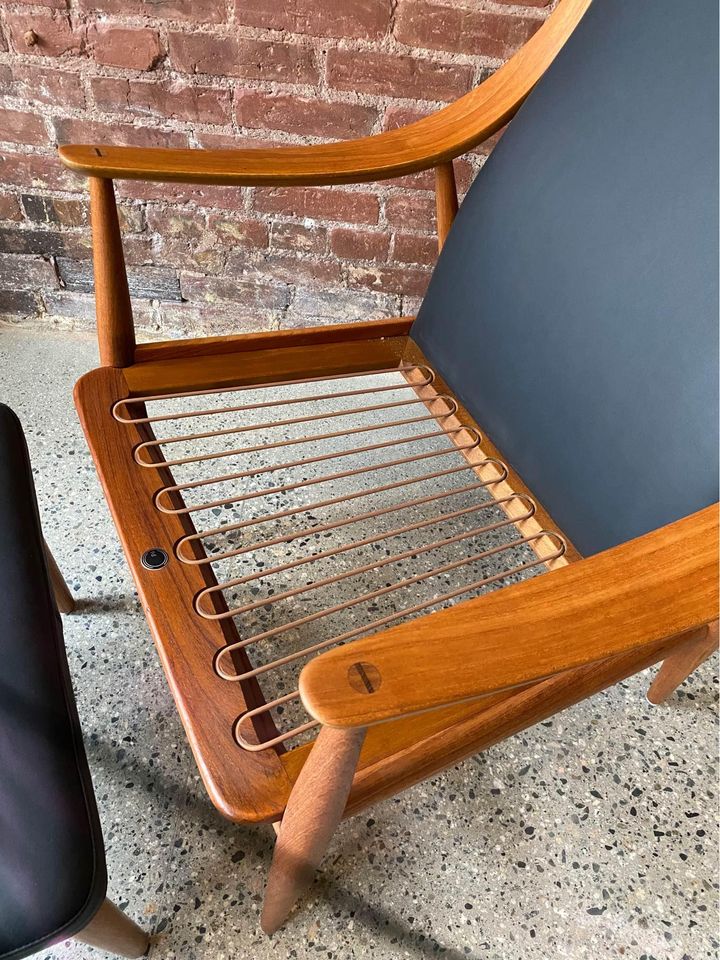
[(571, 317)]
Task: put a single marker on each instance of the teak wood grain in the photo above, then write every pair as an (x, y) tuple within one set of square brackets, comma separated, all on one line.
[(116, 331), (681, 662), (314, 810), (446, 200), (638, 593), (273, 339), (241, 368), (112, 930), (186, 643), (433, 140)]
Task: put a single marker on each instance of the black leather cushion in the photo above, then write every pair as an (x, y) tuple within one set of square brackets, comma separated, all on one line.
[(574, 306), (52, 861)]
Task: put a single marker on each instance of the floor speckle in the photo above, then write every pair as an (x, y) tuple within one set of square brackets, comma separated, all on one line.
[(591, 835)]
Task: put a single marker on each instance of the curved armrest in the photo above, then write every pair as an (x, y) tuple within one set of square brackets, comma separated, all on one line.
[(642, 592), (418, 146)]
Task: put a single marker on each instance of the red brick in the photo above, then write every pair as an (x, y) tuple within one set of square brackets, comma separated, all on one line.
[(203, 195), (19, 126), (459, 29), (19, 303), (302, 115), (286, 269), (318, 203), (405, 280), (411, 211), (363, 19), (232, 141), (242, 292), (240, 232), (411, 248), (70, 130), (295, 236), (72, 213), (397, 115), (68, 213), (200, 11), (54, 32), (336, 306), (47, 86), (110, 93), (54, 4), (242, 57), (388, 74), (41, 170), (359, 244), (135, 47), (174, 99), (9, 207)]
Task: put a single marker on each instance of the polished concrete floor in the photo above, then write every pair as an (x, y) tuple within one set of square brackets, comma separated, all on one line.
[(592, 835)]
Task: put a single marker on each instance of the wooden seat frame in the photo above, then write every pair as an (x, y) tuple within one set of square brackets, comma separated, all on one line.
[(529, 650)]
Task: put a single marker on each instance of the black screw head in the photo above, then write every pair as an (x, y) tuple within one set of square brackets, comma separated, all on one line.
[(154, 559)]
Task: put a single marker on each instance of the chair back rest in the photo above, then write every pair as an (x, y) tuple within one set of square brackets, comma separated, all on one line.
[(574, 308)]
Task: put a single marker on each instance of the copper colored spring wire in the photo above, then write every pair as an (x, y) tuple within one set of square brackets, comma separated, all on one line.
[(455, 434), (335, 551), (331, 501), (368, 628)]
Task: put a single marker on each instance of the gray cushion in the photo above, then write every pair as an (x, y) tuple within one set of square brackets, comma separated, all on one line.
[(574, 306)]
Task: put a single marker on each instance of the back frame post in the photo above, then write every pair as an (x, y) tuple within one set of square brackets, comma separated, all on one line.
[(115, 328), (446, 199)]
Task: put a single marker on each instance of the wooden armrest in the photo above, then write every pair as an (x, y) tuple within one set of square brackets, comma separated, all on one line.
[(639, 593), (418, 146)]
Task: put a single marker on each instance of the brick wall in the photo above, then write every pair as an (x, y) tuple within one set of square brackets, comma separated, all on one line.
[(220, 73)]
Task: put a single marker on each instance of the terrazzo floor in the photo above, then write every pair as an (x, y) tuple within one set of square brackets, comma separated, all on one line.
[(591, 835)]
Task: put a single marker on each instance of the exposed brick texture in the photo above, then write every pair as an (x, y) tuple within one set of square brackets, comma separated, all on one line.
[(219, 74)]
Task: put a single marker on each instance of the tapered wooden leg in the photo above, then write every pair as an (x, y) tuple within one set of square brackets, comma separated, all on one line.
[(111, 930), (681, 662), (314, 810), (63, 597)]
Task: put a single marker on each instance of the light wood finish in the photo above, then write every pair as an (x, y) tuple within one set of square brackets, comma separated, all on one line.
[(262, 366), (446, 200), (243, 786), (314, 810), (115, 330), (596, 626), (428, 142), (111, 930), (273, 339), (395, 754), (403, 752), (63, 597), (658, 585), (477, 457), (682, 662)]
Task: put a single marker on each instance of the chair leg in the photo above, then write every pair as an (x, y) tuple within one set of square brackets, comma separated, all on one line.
[(111, 930), (314, 810), (681, 662), (63, 597)]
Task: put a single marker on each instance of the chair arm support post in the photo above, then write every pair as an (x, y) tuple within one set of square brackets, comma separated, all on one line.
[(446, 199), (314, 810), (115, 328), (654, 588)]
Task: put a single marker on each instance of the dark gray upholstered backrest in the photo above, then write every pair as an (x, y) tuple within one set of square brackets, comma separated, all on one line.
[(574, 306)]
